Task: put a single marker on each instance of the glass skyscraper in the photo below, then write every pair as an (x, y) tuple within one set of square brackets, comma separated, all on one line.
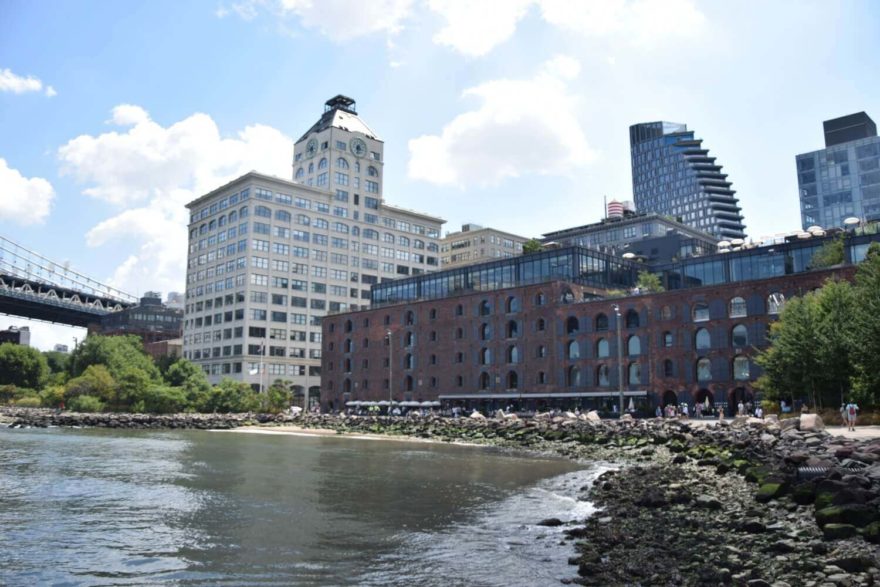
[(843, 179), (673, 175)]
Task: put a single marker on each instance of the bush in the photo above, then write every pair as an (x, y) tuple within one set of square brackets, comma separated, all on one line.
[(86, 403), (232, 397), (95, 381), (52, 396), (159, 399), (30, 401)]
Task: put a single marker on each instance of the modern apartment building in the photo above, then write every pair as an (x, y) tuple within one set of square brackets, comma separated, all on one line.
[(475, 244), (270, 258), (843, 179), (674, 175)]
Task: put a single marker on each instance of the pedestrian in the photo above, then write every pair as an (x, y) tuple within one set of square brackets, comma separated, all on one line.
[(852, 410), (759, 412), (659, 411), (740, 409), (684, 411)]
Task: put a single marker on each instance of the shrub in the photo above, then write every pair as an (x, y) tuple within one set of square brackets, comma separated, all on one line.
[(52, 396), (30, 401), (95, 381), (86, 403), (159, 399)]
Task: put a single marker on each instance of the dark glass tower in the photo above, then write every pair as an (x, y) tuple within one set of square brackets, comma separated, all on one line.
[(673, 175)]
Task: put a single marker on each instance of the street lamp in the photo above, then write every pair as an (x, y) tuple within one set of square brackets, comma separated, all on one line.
[(390, 372), (619, 356)]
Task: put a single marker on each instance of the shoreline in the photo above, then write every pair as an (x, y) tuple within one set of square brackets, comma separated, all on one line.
[(689, 504)]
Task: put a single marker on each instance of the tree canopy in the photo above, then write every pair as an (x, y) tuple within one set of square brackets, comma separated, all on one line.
[(22, 366)]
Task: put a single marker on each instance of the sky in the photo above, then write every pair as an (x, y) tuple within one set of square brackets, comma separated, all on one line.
[(506, 113)]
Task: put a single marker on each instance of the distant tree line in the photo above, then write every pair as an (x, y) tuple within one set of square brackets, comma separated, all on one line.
[(113, 373)]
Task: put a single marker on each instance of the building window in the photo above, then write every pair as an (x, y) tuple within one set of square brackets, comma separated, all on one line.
[(700, 312), (667, 339), (513, 354), (408, 361), (602, 376), (702, 340), (540, 325), (603, 348), (459, 333), (741, 368), (668, 368), (601, 322), (540, 300), (484, 380), (775, 303), (541, 351), (574, 376), (459, 310), (632, 319), (574, 350), (740, 336), (635, 374), (704, 370), (512, 304), (410, 318), (512, 329), (737, 308), (633, 346), (485, 332), (485, 308), (665, 313), (512, 380), (572, 326), (541, 378), (485, 356)]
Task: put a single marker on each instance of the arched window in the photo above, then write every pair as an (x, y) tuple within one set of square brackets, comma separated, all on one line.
[(740, 336), (355, 231), (572, 326), (403, 241), (357, 166), (574, 350), (737, 308), (346, 386), (484, 380), (665, 313), (567, 296), (408, 339), (700, 312), (512, 380), (282, 216), (459, 333), (243, 212), (540, 324), (512, 329), (635, 374), (601, 322), (541, 378), (433, 359), (233, 216), (512, 354), (262, 212), (775, 303), (541, 351), (408, 361), (459, 310), (371, 234), (311, 167), (512, 304), (348, 346), (341, 163), (741, 368), (485, 332), (573, 376), (632, 319), (322, 164), (540, 300), (408, 383), (348, 325), (602, 348), (704, 370), (372, 171), (702, 340), (299, 173), (485, 308), (418, 244), (485, 356), (668, 368), (633, 346), (221, 221), (212, 225), (602, 376), (410, 318)]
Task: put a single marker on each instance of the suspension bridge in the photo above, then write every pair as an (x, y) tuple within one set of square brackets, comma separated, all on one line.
[(34, 286)]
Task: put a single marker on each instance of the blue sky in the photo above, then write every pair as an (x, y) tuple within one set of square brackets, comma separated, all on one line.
[(508, 113)]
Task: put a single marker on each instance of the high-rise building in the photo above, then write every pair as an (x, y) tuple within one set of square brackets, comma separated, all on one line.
[(674, 175), (270, 258), (16, 335), (475, 244), (843, 179)]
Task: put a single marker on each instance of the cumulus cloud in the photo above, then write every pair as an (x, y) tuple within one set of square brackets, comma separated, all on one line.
[(10, 82), (146, 173), (521, 127), (475, 28), (340, 20), (24, 200)]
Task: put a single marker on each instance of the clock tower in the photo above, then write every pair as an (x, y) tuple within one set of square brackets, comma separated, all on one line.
[(340, 154)]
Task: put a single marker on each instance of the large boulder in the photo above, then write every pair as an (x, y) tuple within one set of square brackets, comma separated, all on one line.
[(477, 415), (593, 416), (811, 422)]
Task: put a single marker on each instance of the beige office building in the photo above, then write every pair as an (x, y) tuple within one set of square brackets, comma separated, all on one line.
[(476, 244), (269, 258)]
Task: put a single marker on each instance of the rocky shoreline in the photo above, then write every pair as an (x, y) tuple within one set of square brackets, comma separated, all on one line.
[(751, 502)]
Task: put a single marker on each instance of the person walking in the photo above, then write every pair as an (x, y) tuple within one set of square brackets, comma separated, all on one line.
[(852, 411)]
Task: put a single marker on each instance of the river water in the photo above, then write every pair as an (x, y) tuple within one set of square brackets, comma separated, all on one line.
[(94, 507)]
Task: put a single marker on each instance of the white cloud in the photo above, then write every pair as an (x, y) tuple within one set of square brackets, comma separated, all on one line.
[(341, 20), (23, 200), (10, 82), (148, 173), (475, 28), (522, 127)]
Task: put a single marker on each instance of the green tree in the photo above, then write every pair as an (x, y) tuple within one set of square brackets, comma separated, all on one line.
[(866, 329), (22, 366), (230, 396), (278, 397), (116, 353), (132, 385), (59, 364), (532, 245), (835, 312), (192, 380), (830, 254), (162, 399), (649, 282), (95, 381), (86, 403)]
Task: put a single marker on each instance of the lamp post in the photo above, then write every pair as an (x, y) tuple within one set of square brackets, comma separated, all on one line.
[(619, 355), (390, 372)]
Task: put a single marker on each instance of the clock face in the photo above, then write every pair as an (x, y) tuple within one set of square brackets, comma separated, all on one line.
[(312, 147), (358, 147)]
